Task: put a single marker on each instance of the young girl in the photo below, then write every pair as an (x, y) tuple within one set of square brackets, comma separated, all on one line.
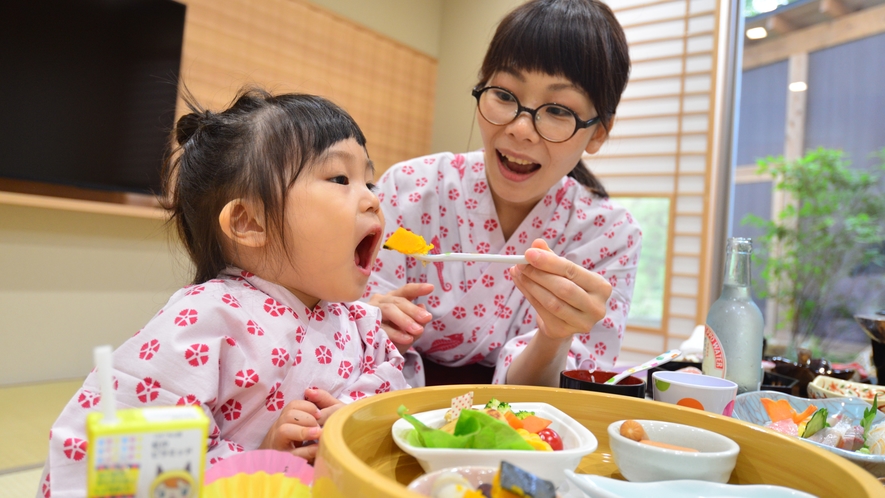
[(547, 92), (274, 201)]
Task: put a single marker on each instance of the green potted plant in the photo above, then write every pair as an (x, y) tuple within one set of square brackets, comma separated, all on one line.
[(832, 226)]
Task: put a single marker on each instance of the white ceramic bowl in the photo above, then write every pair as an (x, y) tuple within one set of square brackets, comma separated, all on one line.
[(714, 461), (748, 407), (476, 476), (577, 442)]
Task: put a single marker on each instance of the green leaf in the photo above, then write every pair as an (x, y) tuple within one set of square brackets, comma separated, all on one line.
[(474, 429)]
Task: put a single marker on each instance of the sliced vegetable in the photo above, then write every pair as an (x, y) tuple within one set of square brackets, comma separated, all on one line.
[(535, 424), (818, 421), (513, 420), (800, 417), (778, 410)]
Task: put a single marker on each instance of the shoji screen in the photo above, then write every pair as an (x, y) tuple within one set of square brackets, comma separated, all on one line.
[(660, 148)]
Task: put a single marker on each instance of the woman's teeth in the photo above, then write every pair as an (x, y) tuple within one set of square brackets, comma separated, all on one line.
[(517, 161), (519, 166)]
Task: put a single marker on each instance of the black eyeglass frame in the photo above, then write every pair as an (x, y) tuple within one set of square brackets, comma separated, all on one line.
[(580, 124)]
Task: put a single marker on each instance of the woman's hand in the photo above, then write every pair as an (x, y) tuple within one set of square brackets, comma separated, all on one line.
[(568, 298), (299, 427), (402, 319)]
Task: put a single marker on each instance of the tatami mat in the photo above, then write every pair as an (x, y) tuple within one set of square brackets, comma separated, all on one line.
[(27, 414), (22, 484)]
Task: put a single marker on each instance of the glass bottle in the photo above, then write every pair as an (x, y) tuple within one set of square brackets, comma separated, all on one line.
[(733, 332)]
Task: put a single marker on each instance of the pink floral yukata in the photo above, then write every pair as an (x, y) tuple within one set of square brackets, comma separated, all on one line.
[(478, 313), (241, 348)]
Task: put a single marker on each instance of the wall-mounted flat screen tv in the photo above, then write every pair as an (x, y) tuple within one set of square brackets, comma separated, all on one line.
[(88, 91)]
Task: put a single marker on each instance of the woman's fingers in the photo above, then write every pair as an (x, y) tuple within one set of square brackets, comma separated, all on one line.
[(569, 297)]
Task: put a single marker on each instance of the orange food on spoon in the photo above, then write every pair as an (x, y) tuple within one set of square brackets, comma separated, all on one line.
[(407, 242)]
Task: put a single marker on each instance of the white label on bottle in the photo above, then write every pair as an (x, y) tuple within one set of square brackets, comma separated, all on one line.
[(714, 357)]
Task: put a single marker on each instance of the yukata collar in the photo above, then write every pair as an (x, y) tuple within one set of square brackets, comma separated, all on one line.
[(276, 291)]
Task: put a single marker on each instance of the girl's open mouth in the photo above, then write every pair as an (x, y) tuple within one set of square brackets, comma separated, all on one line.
[(365, 249), (517, 166)]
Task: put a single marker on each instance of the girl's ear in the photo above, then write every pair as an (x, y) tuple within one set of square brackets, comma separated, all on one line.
[(600, 134), (243, 223)]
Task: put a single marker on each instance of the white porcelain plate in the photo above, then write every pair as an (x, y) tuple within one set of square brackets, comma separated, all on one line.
[(577, 442), (749, 408), (604, 487)]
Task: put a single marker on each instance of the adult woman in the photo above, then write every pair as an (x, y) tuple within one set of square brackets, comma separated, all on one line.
[(548, 88)]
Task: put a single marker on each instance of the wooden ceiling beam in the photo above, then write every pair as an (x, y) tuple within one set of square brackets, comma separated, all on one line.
[(833, 8), (778, 25)]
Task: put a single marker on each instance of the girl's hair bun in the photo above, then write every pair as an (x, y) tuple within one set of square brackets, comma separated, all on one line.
[(188, 125)]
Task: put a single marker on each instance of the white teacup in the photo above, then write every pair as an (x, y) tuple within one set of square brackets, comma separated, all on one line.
[(703, 392)]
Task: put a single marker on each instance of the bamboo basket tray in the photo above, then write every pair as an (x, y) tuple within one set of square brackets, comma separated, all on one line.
[(357, 455)]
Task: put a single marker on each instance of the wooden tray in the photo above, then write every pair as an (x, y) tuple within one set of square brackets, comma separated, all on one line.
[(357, 455)]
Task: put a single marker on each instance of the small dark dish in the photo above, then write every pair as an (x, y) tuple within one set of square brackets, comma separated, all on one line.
[(585, 380), (806, 373), (873, 325)]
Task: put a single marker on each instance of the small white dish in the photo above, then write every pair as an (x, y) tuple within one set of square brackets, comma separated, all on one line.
[(577, 442), (604, 487), (476, 476), (714, 460)]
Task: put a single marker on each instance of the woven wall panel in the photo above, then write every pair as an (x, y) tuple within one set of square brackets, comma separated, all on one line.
[(292, 46)]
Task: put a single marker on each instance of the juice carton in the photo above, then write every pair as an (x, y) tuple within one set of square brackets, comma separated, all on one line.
[(152, 452)]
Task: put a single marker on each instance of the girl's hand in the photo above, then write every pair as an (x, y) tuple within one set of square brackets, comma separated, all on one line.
[(296, 430), (568, 298), (326, 403), (402, 319)]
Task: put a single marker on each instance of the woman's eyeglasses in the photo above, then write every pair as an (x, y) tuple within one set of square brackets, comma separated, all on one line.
[(553, 122)]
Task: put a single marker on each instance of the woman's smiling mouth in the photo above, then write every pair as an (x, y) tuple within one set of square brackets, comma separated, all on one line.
[(516, 165)]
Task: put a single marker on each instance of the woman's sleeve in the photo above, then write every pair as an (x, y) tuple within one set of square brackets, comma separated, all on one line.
[(617, 260)]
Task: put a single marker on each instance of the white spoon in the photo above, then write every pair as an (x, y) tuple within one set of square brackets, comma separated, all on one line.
[(657, 360), (466, 256)]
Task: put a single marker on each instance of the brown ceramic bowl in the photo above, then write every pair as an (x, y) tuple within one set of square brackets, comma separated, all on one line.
[(586, 380)]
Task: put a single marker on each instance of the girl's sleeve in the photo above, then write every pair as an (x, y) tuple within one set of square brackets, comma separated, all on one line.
[(381, 367), (174, 360)]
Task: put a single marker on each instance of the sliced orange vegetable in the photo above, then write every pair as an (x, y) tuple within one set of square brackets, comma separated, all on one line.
[(513, 420), (778, 410), (800, 417), (535, 424)]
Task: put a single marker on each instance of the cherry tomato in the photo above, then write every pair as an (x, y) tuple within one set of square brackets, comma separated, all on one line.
[(552, 438)]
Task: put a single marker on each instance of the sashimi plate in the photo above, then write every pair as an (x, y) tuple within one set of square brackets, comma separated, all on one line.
[(748, 407), (606, 487)]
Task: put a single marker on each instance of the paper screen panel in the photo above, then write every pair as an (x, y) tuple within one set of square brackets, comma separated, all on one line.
[(660, 145), (293, 46)]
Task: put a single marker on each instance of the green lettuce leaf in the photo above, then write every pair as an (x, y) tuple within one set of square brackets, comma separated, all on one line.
[(474, 429)]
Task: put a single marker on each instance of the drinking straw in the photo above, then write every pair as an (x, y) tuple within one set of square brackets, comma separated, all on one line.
[(102, 356)]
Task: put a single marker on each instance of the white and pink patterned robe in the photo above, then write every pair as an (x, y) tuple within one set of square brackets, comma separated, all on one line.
[(241, 348), (478, 313)]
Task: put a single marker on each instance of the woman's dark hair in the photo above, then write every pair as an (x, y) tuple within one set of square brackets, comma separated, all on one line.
[(255, 149), (580, 40)]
